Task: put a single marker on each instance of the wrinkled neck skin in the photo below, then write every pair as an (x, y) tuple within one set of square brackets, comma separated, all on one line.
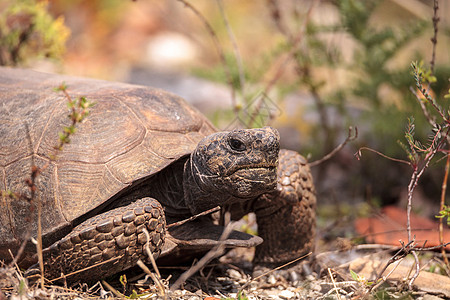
[(201, 192)]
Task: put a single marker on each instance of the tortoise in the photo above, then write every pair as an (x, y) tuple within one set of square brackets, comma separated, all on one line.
[(142, 160)]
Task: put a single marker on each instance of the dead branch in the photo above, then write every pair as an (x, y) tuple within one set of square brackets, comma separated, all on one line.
[(435, 32), (441, 207), (400, 254), (157, 278), (207, 212), (350, 137), (218, 46), (273, 270), (237, 53), (213, 253), (409, 248), (294, 48), (358, 155)]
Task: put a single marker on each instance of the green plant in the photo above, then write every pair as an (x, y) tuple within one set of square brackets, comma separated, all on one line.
[(360, 279), (79, 110), (445, 213), (27, 30)]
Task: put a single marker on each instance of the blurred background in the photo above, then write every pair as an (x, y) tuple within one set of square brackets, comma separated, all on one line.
[(311, 69)]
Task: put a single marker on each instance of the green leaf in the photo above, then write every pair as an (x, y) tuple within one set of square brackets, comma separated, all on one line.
[(354, 275)]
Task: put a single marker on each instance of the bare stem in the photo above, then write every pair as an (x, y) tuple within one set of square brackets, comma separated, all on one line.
[(237, 53), (358, 155), (431, 119), (219, 49), (417, 269), (39, 242), (207, 212), (277, 17), (273, 270), (350, 137), (441, 207), (412, 184), (295, 43), (213, 253), (434, 38)]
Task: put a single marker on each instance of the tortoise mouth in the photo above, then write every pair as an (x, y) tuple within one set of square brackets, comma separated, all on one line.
[(266, 175), (253, 180), (254, 168)]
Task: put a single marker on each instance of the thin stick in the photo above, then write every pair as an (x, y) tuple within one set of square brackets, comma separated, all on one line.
[(113, 290), (209, 211), (237, 53), (350, 137), (430, 118), (417, 269), (412, 185), (156, 279), (278, 19), (218, 48), (39, 242), (283, 65), (149, 253), (277, 268), (334, 284), (434, 38), (441, 220), (87, 268), (214, 252), (400, 254), (384, 278), (18, 271), (358, 155), (295, 44)]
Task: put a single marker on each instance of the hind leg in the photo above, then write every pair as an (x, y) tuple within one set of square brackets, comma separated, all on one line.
[(286, 217)]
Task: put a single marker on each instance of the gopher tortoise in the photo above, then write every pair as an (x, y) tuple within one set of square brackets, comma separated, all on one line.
[(141, 160)]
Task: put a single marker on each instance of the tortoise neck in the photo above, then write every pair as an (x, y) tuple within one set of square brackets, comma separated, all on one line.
[(167, 188), (200, 191)]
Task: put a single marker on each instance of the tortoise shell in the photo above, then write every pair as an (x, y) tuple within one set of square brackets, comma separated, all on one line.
[(132, 132)]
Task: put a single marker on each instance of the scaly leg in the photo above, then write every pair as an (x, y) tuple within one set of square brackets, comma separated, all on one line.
[(112, 241), (286, 218)]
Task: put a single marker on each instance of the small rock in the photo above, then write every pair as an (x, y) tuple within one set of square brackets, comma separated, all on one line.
[(310, 277), (234, 274), (272, 279), (286, 294), (293, 276), (431, 297)]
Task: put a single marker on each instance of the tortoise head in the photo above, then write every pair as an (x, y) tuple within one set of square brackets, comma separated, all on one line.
[(233, 166)]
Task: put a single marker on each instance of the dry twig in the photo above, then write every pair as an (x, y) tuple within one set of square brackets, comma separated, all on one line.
[(434, 38), (334, 284), (218, 46), (213, 253), (350, 137), (207, 212), (157, 278), (441, 207), (237, 53), (273, 270)]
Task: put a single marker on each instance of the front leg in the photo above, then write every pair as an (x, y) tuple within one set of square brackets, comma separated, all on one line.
[(106, 243), (286, 217)]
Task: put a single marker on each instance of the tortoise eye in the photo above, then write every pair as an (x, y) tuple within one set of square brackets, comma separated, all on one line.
[(236, 144)]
